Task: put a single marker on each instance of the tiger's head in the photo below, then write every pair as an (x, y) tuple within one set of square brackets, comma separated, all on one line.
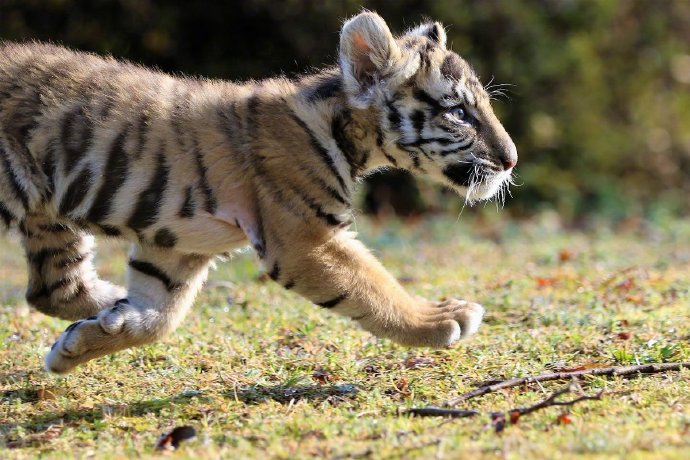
[(434, 115)]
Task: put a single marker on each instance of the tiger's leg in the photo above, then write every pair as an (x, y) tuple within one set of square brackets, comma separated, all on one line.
[(162, 284), (340, 274), (62, 279)]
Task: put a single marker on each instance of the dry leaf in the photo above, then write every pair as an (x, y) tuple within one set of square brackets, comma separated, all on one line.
[(625, 335), (46, 394), (545, 282), (416, 363), (514, 417), (402, 386), (626, 284), (498, 421), (321, 376), (564, 419), (171, 440), (565, 255)]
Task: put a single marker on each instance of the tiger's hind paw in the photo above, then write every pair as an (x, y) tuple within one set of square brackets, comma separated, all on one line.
[(89, 338)]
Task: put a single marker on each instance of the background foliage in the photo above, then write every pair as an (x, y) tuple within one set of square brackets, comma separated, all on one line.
[(599, 110)]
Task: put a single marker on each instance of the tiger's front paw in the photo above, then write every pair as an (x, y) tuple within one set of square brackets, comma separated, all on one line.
[(468, 315), (441, 324)]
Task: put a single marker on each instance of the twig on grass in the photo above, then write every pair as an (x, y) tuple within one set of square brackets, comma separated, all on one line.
[(614, 371), (431, 411), (498, 418), (551, 401)]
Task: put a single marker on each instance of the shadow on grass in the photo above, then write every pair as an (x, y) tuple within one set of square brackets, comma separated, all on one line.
[(41, 428), (256, 394)]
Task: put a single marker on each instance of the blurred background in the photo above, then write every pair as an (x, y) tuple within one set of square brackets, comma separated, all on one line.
[(599, 105)]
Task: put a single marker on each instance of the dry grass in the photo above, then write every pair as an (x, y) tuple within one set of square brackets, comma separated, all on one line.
[(260, 372)]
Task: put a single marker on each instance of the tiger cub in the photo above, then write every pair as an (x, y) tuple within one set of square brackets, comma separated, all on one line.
[(188, 169)]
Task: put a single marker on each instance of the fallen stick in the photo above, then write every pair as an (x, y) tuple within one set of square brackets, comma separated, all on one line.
[(431, 411), (498, 418), (614, 371), (551, 401)]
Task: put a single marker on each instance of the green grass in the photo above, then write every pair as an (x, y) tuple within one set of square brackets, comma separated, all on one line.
[(259, 372)]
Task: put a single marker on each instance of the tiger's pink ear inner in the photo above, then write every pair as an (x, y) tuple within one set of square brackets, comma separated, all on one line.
[(367, 51)]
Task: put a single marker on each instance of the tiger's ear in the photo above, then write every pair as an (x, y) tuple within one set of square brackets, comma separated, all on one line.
[(368, 54), (434, 31)]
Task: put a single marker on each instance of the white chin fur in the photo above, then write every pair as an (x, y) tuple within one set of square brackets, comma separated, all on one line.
[(488, 188)]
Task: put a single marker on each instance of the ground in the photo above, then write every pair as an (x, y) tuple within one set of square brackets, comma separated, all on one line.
[(260, 372)]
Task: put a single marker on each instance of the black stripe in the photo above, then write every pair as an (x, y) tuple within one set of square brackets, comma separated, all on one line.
[(321, 184), (165, 238), (277, 194), (394, 117), (151, 270), (75, 136), (322, 151), (260, 246), (355, 159), (425, 59), (251, 125), (115, 174), (76, 192), (418, 118), (72, 326), (60, 284), (330, 219), (424, 97), (19, 192), (6, 214), (78, 292), (49, 168), (38, 258), (327, 87), (290, 284), (413, 154), (187, 210), (54, 228), (462, 148), (260, 250), (333, 302), (70, 261), (33, 296), (430, 140), (24, 115), (142, 134), (209, 199), (275, 272), (149, 202), (379, 143), (433, 33), (109, 230), (229, 122)]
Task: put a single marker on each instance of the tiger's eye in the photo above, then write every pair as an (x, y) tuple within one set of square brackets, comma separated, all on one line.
[(457, 112)]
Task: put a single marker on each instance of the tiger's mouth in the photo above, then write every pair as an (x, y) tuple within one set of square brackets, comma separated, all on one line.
[(478, 181)]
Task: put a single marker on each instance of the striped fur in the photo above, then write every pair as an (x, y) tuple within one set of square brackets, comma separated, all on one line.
[(188, 169)]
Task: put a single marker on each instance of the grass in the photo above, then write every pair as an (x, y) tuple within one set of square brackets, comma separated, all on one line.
[(259, 372)]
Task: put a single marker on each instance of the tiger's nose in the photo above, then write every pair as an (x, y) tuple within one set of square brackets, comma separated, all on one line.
[(510, 157)]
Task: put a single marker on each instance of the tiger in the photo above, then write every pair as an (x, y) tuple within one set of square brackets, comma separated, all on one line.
[(187, 169)]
